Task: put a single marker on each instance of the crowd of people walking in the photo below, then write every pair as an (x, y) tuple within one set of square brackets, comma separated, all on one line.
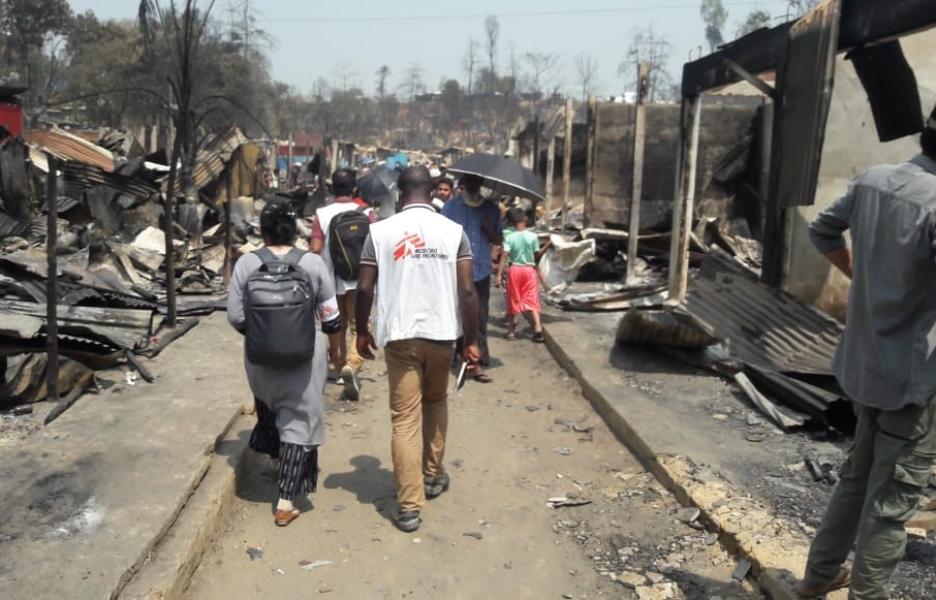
[(427, 270)]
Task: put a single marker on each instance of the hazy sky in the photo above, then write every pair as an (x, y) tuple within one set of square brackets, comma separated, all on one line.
[(319, 38)]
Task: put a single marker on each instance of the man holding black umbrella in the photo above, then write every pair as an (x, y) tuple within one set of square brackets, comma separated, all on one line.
[(481, 221)]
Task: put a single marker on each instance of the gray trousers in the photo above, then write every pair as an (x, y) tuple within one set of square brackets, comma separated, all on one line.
[(880, 487)]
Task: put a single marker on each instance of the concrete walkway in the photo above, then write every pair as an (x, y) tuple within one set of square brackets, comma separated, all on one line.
[(709, 446), (85, 499)]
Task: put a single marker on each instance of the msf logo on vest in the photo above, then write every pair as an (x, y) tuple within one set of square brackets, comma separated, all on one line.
[(413, 246)]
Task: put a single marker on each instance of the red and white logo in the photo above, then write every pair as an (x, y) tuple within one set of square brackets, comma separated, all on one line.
[(407, 246)]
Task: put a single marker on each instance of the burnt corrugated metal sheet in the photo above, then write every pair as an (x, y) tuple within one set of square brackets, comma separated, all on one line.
[(72, 148), (210, 162), (761, 326), (807, 78)]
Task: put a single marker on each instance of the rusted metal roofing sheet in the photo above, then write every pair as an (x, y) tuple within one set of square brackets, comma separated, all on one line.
[(761, 326), (807, 78), (72, 148)]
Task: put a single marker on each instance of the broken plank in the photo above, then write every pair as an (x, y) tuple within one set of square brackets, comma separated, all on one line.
[(781, 418)]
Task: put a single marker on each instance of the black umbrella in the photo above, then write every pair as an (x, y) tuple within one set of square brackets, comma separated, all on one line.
[(378, 188), (503, 175)]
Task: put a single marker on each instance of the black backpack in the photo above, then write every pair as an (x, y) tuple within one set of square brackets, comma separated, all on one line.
[(279, 306), (346, 235)]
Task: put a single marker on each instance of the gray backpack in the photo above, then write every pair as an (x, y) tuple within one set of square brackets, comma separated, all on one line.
[(279, 306)]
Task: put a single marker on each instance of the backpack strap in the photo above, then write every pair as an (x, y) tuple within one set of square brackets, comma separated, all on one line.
[(265, 255), (293, 256)]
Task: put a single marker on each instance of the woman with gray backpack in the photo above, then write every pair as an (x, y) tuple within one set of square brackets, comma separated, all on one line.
[(282, 300)]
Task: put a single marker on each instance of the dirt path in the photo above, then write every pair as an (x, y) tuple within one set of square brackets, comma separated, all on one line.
[(511, 447)]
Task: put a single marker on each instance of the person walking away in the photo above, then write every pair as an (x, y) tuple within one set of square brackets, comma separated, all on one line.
[(444, 190), (338, 233), (886, 364), (285, 351), (422, 263), (481, 222), (522, 251)]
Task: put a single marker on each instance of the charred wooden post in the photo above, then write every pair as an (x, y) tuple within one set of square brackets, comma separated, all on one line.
[(52, 364), (685, 201), (567, 158), (168, 222), (590, 159), (640, 123), (227, 229)]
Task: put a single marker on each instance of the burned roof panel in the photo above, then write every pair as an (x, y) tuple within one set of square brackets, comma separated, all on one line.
[(762, 326)]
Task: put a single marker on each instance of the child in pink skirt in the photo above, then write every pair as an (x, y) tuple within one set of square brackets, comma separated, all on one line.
[(522, 251)]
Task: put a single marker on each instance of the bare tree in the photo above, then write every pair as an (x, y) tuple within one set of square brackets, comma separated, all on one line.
[(714, 15), (470, 62), (650, 47), (492, 35), (244, 29), (586, 67), (543, 71), (177, 31), (757, 19), (412, 82), (798, 8), (383, 73)]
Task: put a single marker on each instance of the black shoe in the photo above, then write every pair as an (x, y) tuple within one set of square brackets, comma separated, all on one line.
[(408, 521), (436, 486)]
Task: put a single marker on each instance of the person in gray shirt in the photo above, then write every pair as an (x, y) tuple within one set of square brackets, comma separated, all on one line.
[(886, 364)]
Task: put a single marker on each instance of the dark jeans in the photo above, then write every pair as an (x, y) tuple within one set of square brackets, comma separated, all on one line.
[(483, 288)]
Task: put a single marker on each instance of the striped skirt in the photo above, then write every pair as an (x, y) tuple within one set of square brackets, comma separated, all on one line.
[(298, 465)]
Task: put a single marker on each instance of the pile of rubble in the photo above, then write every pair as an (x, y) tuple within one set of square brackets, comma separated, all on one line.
[(111, 251), (777, 349)]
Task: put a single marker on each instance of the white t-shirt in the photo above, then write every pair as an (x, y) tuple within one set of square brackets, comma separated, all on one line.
[(416, 252)]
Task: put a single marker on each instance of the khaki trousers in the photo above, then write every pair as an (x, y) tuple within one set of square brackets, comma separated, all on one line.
[(419, 373), (879, 490), (346, 305)]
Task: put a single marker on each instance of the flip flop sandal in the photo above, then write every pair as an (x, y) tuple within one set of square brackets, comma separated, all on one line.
[(285, 517), (539, 338), (512, 336), (482, 378)]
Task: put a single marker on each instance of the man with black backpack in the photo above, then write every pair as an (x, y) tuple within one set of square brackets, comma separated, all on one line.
[(338, 233)]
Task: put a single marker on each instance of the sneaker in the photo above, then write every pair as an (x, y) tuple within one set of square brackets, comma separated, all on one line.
[(436, 486), (352, 384), (408, 521), (809, 590)]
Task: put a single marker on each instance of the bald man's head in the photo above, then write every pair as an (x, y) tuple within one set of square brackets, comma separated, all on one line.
[(415, 185)]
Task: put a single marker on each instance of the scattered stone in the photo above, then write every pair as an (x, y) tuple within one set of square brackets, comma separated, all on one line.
[(752, 419), (473, 534), (755, 437), (254, 553), (710, 539), (532, 408), (660, 591), (923, 519), (720, 417), (324, 590), (278, 572), (563, 451), (688, 515), (655, 577), (417, 541), (338, 507), (741, 571), (631, 580), (916, 532), (508, 565), (567, 596)]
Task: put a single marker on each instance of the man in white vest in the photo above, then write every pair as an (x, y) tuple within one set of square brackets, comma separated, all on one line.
[(343, 187), (422, 263)]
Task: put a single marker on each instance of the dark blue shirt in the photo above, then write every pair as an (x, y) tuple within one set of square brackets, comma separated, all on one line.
[(471, 219)]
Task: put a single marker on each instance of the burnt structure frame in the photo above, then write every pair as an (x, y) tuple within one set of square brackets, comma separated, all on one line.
[(862, 22)]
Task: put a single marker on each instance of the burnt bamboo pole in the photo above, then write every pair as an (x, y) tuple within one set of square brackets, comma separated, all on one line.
[(52, 363), (640, 126), (227, 228), (169, 210)]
